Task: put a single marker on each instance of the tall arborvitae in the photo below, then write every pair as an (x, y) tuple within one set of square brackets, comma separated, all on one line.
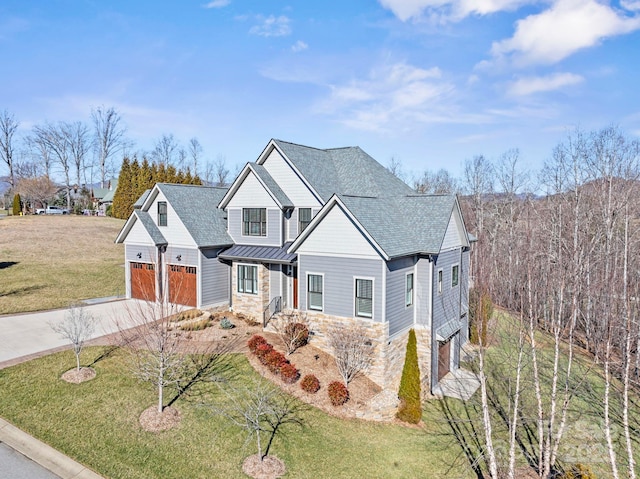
[(122, 195), (410, 409), (17, 207), (146, 178)]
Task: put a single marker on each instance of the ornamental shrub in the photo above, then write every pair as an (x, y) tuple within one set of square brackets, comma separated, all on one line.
[(16, 205), (410, 409), (274, 360), (226, 323), (254, 342), (297, 335), (262, 350), (579, 471), (310, 384), (289, 373), (338, 393)]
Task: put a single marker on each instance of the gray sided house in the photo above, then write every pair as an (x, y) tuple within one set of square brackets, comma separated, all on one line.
[(172, 241), (328, 232)]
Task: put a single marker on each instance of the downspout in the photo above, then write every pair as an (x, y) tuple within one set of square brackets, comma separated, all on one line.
[(161, 250)]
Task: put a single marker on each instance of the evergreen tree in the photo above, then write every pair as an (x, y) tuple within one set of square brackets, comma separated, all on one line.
[(410, 409), (16, 205), (122, 196), (145, 179), (171, 174)]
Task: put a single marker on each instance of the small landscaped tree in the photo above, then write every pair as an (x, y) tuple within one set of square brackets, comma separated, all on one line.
[(352, 349), (292, 330), (77, 327), (262, 411), (410, 409)]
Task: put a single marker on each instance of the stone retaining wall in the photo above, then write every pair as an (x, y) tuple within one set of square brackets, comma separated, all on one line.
[(251, 305)]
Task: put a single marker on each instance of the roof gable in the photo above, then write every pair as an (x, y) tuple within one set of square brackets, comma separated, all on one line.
[(141, 220), (263, 177)]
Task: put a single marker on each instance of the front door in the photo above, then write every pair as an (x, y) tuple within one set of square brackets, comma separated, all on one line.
[(444, 354)]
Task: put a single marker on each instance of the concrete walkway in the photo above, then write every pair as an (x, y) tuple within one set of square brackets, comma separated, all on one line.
[(459, 384), (26, 336)]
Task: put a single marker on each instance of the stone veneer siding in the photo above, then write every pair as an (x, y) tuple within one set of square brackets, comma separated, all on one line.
[(389, 355), (248, 304)]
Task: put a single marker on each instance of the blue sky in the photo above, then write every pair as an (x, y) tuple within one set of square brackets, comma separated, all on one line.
[(428, 82)]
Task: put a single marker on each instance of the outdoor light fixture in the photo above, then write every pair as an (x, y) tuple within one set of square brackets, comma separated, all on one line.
[(179, 257), (139, 255)]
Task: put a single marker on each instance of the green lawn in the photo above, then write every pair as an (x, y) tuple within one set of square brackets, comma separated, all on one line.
[(96, 424), (50, 261)]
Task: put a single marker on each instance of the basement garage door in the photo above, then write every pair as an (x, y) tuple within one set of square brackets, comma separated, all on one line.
[(143, 281), (182, 285)]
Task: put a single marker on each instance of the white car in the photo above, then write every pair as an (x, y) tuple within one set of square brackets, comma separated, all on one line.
[(52, 210)]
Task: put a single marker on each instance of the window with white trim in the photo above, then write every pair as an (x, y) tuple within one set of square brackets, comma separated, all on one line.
[(439, 281), (364, 297), (455, 271), (254, 221), (162, 213), (315, 291), (247, 279), (304, 218), (408, 295)]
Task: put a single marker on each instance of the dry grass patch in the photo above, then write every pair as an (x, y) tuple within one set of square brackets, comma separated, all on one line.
[(51, 261)]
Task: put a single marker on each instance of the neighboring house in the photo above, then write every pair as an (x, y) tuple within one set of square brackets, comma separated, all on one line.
[(172, 240), (103, 197), (333, 234)]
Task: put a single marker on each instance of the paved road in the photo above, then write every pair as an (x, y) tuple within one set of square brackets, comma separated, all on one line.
[(28, 334), (16, 466)]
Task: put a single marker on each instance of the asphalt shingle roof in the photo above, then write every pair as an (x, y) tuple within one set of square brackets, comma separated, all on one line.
[(196, 207), (262, 173), (140, 201), (146, 220), (344, 171), (404, 225)]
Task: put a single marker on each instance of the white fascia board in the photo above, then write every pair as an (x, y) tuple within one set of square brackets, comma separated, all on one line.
[(335, 201), (150, 199), (234, 187), (266, 188), (124, 232), (464, 227), (274, 146)]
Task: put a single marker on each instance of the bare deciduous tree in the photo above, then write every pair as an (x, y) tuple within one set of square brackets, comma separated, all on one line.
[(8, 127), (165, 150), (195, 153), (439, 183), (38, 189), (78, 138), (261, 410), (77, 327), (57, 141), (352, 349), (109, 138)]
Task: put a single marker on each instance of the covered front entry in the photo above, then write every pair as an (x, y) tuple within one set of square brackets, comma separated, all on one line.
[(143, 281), (182, 285), (444, 358)]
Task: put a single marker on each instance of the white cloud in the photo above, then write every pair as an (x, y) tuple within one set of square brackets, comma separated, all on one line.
[(299, 46), (633, 5), (450, 9), (563, 29), (393, 96), (273, 26), (217, 4), (530, 85)]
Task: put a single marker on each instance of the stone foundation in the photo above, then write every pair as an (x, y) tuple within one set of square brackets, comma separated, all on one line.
[(251, 305), (389, 355)]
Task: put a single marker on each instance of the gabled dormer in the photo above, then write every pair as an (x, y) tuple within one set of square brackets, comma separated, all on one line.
[(256, 208)]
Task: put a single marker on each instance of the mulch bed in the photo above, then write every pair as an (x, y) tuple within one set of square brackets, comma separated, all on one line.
[(76, 376), (269, 468), (153, 421)]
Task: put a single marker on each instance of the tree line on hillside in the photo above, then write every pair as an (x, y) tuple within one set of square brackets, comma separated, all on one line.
[(82, 154), (560, 250)]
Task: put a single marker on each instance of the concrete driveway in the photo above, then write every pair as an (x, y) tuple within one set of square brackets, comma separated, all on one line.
[(28, 335)]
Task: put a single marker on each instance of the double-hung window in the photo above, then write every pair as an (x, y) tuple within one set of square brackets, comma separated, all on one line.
[(162, 213), (364, 297), (455, 270), (247, 279), (439, 281), (408, 295), (304, 218), (315, 290), (254, 221)]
